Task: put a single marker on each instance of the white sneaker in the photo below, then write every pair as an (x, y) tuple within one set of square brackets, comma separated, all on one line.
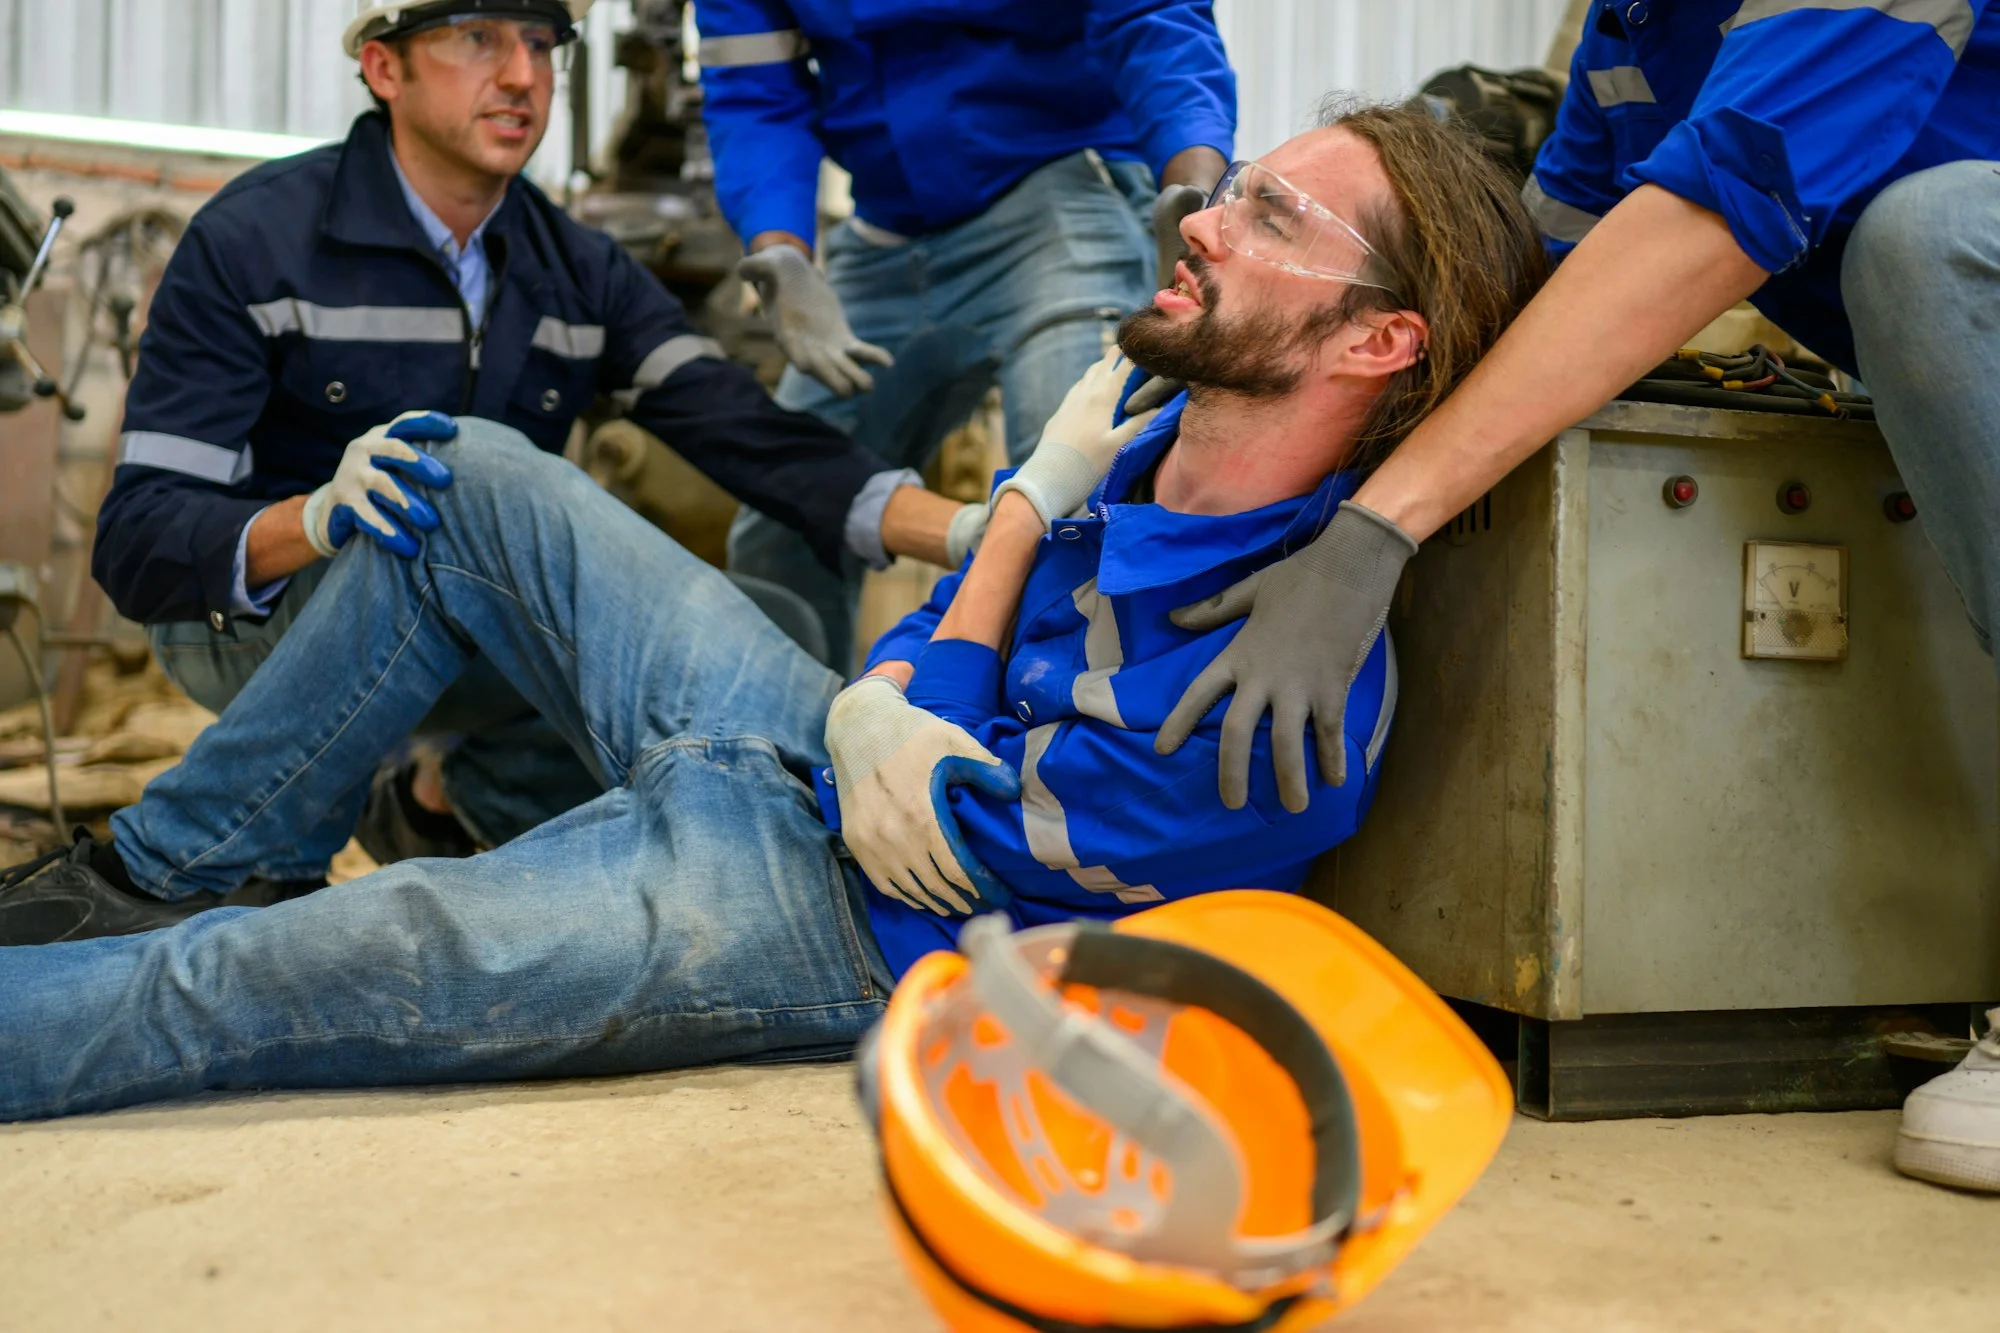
[(1951, 1125)]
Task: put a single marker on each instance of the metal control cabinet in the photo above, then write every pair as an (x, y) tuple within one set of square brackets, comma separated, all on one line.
[(1594, 804)]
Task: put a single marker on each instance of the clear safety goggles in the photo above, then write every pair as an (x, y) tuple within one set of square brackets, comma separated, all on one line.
[(1266, 217), (471, 42)]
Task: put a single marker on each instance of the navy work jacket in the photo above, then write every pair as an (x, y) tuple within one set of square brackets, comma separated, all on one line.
[(1786, 117), (938, 107), (305, 305)]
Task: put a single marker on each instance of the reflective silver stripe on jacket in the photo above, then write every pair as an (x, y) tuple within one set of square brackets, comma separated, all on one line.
[(361, 323), (177, 453), (1091, 692), (754, 48), (1046, 825), (1565, 222), (1390, 685), (663, 361), (1953, 20), (1619, 85), (578, 342)]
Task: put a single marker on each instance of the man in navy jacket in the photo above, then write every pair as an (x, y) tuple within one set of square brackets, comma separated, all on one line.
[(411, 267)]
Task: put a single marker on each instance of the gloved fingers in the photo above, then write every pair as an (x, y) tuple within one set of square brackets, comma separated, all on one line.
[(944, 880), (978, 768), (870, 353), (1157, 391), (1330, 733), (827, 370), (912, 890), (1239, 736), (1132, 427), (417, 511), (429, 427), (882, 875), (420, 467), (858, 380), (1232, 603), (347, 519), (1216, 679), (1288, 752)]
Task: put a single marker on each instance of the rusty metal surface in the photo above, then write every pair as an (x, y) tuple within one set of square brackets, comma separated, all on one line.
[(1591, 803)]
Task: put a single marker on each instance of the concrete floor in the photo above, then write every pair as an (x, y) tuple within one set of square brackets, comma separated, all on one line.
[(743, 1200)]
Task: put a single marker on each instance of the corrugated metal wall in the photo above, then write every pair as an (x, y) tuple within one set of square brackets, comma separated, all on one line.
[(276, 65)]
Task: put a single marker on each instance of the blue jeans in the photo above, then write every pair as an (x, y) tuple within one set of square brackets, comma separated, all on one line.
[(1921, 279), (1027, 293), (697, 911), (508, 772)]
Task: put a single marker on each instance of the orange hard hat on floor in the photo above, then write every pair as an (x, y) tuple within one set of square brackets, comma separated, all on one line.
[(1232, 1112)]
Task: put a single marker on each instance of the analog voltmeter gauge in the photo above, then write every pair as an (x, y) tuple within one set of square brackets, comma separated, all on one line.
[(1795, 601)]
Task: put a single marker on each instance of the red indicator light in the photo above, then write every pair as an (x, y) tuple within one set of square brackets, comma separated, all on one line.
[(1680, 492)]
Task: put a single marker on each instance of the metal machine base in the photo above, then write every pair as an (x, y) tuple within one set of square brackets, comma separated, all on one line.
[(1617, 1066)]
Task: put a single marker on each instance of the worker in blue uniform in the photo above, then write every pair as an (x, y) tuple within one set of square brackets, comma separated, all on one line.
[(1017, 166), (997, 755), (1836, 163), (316, 298)]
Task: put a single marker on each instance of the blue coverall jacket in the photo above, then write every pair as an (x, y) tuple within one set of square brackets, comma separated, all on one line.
[(1787, 117), (1105, 826), (305, 305), (937, 107)]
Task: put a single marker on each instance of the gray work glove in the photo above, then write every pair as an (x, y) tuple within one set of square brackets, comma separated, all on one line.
[(806, 316), (1313, 618), (1174, 204)]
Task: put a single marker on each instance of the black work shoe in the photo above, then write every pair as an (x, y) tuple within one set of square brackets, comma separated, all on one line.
[(394, 827), (60, 897)]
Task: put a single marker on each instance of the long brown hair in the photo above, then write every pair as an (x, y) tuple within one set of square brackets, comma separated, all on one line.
[(1459, 249)]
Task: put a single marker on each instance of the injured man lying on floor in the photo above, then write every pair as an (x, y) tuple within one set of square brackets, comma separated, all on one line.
[(771, 850)]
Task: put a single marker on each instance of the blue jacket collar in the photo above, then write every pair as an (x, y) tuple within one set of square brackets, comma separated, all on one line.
[(1147, 546), (366, 205)]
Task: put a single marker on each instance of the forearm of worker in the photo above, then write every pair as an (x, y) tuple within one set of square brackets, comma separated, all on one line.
[(277, 545), (1200, 165), (1646, 278), (991, 594), (916, 523)]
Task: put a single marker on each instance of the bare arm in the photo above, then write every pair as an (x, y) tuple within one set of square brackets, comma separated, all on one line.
[(278, 544), (1646, 278), (991, 593), (915, 524)]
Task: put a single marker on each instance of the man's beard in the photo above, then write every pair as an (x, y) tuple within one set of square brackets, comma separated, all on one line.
[(1255, 355)]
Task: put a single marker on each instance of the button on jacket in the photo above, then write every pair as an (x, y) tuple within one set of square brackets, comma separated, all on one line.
[(305, 305), (1787, 117), (1093, 666), (937, 107)]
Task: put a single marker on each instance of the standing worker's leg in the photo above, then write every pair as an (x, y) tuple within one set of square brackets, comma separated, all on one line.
[(1922, 284), (1921, 280), (941, 371), (615, 634), (1047, 273)]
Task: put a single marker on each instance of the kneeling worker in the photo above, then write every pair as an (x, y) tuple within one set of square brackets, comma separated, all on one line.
[(998, 755), (410, 267)]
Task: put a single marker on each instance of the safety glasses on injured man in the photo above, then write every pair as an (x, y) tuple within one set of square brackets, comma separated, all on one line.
[(471, 42), (1266, 217)]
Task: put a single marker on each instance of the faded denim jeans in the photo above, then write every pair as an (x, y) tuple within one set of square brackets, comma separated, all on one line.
[(1921, 279), (1025, 294), (697, 911)]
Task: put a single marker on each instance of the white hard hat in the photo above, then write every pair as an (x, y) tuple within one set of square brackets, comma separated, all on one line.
[(387, 18)]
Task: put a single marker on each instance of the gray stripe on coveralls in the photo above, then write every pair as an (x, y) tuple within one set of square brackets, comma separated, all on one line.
[(1565, 222), (178, 453), (1046, 825), (1090, 693), (1952, 20), (1619, 85), (1390, 685), (578, 342), (754, 48), (360, 323), (663, 361)]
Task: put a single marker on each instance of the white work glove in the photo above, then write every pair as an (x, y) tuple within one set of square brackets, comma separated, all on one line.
[(806, 316), (963, 535), (371, 489), (1079, 442), (892, 764)]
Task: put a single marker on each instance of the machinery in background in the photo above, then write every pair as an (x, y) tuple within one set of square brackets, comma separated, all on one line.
[(1512, 111)]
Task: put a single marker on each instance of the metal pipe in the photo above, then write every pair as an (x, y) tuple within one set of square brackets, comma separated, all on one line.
[(48, 728)]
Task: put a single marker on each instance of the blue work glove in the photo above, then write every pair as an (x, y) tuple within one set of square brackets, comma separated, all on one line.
[(372, 491), (894, 765)]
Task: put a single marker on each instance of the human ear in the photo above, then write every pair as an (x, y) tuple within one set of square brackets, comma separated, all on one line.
[(1385, 342), (381, 70)]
